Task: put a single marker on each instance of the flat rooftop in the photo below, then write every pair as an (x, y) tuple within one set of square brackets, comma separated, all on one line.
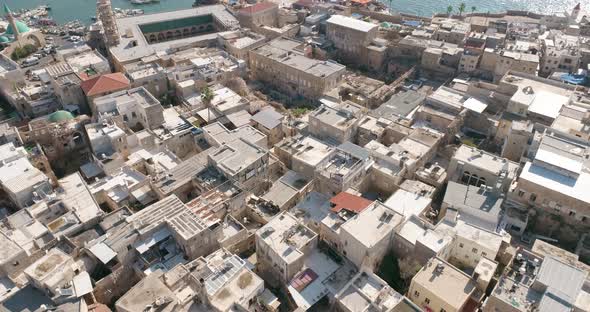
[(236, 155), (134, 45), (374, 223), (138, 96), (569, 186), (351, 23), (286, 51), (485, 161), (286, 235), (341, 116), (53, 261), (445, 281), (367, 292), (407, 203), (307, 149)]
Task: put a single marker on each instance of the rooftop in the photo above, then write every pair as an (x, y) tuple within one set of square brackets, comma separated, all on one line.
[(485, 161), (286, 236), (445, 281), (237, 155), (342, 115), (104, 84), (349, 202), (373, 224), (268, 118), (352, 23), (367, 292), (134, 46), (181, 174), (407, 203), (307, 149), (286, 51)]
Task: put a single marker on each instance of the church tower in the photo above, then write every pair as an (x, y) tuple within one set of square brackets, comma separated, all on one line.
[(104, 13)]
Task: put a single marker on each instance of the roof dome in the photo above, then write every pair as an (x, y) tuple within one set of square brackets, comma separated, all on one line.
[(20, 26), (4, 39), (60, 115)]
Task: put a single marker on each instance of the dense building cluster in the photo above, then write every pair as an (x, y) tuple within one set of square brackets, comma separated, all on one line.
[(294, 156)]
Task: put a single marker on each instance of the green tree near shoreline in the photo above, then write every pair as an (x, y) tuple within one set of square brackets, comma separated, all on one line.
[(461, 8)]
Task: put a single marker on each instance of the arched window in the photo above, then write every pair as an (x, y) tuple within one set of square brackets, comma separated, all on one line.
[(465, 177), (473, 179), (481, 181)]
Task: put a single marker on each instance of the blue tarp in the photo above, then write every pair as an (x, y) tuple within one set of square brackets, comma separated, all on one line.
[(573, 79)]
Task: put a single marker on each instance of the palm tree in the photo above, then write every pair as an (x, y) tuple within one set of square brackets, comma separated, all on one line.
[(449, 10), (207, 96), (473, 9), (461, 8)]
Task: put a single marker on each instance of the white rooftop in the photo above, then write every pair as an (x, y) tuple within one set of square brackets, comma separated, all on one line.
[(407, 203), (353, 23)]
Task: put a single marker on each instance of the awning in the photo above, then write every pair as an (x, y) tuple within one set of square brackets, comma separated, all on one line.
[(82, 284), (157, 237), (103, 252)]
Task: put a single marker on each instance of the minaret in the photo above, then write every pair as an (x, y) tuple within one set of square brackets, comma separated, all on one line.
[(11, 21), (104, 13), (576, 12)]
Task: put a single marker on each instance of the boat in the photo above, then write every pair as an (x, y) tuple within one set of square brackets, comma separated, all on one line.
[(141, 1)]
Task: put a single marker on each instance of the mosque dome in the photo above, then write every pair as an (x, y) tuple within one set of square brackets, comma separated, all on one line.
[(20, 26), (60, 115)]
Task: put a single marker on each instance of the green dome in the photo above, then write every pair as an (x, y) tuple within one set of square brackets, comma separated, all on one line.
[(60, 115), (4, 39), (20, 26)]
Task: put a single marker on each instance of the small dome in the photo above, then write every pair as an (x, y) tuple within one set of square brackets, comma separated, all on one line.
[(4, 39), (20, 26), (60, 115)]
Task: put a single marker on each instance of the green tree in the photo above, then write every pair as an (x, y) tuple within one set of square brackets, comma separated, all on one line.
[(449, 10), (207, 96), (473, 9), (461, 8)]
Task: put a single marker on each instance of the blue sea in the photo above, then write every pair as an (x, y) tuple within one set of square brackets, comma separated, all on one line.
[(67, 10)]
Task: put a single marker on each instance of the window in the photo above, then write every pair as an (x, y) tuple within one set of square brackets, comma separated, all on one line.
[(442, 310), (520, 193), (426, 300), (466, 176), (533, 197), (572, 213), (483, 254), (474, 250), (584, 219), (461, 245), (416, 294)]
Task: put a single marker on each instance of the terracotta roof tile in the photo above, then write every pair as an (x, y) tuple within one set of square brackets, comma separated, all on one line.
[(349, 202), (104, 84)]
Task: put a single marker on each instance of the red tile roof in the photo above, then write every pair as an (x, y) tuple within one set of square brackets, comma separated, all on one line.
[(104, 84), (258, 7), (349, 202)]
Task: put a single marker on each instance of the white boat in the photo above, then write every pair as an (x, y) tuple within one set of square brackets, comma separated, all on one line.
[(141, 1)]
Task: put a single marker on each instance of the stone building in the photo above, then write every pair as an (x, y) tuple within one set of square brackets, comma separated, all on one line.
[(356, 41), (283, 64)]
